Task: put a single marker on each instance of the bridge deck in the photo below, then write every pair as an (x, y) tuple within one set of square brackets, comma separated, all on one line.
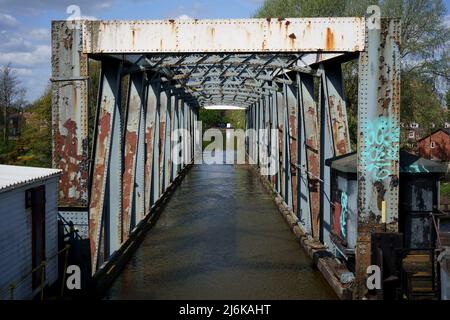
[(220, 237)]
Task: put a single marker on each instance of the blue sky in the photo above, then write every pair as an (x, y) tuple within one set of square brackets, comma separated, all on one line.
[(25, 26)]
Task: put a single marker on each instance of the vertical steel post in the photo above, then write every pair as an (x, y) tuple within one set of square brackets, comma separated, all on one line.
[(275, 126), (310, 157), (378, 135), (70, 114), (287, 151), (133, 135), (292, 107), (157, 153), (281, 106), (150, 146), (164, 101), (175, 139)]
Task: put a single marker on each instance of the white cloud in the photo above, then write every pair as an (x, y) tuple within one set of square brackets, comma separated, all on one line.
[(447, 21), (40, 34), (40, 55), (16, 43), (22, 72), (27, 7), (7, 21), (184, 17)]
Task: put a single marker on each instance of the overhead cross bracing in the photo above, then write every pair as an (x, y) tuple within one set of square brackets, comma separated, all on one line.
[(233, 79)]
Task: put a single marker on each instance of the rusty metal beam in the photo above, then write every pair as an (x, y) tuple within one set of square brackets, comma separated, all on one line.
[(251, 35)]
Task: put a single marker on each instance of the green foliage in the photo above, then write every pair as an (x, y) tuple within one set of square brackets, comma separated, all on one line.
[(34, 146), (315, 8), (214, 118)]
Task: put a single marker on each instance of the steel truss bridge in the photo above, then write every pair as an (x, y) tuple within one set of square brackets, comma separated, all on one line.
[(287, 73)]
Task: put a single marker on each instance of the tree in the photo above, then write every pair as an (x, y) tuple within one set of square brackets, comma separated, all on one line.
[(34, 147), (11, 95), (425, 59)]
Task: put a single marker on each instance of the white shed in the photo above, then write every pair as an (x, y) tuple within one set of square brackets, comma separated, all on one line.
[(28, 229)]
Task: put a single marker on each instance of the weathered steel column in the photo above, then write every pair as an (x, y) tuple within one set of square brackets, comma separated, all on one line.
[(133, 135), (139, 178), (106, 171), (286, 150), (309, 157), (70, 114), (378, 136), (155, 93), (175, 137), (275, 141), (281, 107), (162, 140), (335, 137), (151, 148), (292, 108)]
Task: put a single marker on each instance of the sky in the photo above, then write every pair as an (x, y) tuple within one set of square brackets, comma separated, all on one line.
[(25, 26)]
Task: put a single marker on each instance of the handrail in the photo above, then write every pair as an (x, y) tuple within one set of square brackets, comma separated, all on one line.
[(12, 286), (66, 230)]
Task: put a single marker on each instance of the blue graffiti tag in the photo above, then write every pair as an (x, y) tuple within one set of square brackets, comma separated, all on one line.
[(381, 146), (344, 213)]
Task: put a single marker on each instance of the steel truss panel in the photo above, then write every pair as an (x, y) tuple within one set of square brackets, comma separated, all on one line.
[(106, 126), (132, 138), (150, 145), (292, 107), (267, 66), (246, 35), (309, 157)]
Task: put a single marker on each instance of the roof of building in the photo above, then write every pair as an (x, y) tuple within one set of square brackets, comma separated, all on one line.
[(409, 163), (445, 130), (12, 177)]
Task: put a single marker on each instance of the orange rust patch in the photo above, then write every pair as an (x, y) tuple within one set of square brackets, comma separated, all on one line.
[(128, 177), (330, 40)]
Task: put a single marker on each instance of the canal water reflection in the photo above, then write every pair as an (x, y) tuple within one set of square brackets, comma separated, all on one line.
[(220, 237)]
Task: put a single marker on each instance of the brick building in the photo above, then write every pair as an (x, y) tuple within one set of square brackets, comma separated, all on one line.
[(435, 146)]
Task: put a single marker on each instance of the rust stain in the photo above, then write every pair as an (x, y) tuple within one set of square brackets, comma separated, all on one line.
[(314, 192), (148, 167), (128, 178), (293, 149), (74, 166), (161, 152), (95, 207), (330, 40)]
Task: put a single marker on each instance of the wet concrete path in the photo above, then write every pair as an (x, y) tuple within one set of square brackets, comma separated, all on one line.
[(220, 237)]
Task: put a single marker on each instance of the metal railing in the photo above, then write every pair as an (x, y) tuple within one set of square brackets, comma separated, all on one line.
[(40, 268)]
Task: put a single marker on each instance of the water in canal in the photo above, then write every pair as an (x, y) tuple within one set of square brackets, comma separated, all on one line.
[(220, 237)]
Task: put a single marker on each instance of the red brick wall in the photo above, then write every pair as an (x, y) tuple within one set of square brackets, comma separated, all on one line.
[(441, 150)]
